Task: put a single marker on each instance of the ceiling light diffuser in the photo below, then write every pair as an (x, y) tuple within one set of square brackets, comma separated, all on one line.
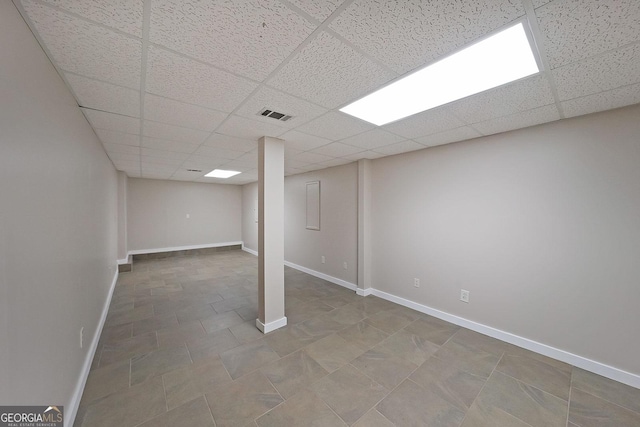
[(221, 173), (494, 61)]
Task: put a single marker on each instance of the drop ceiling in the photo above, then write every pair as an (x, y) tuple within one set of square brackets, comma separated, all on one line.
[(172, 86)]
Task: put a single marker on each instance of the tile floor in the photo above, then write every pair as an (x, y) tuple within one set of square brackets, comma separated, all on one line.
[(180, 348)]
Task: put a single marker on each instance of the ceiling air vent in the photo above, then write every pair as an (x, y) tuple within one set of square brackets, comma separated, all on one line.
[(274, 115), (194, 170)]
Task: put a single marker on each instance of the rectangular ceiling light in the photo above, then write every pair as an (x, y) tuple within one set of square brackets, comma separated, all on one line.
[(494, 61), (220, 173)]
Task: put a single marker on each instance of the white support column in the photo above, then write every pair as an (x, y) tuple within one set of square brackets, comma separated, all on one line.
[(364, 227), (270, 235)]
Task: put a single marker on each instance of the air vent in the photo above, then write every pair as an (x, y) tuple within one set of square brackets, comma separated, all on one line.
[(194, 170), (265, 112)]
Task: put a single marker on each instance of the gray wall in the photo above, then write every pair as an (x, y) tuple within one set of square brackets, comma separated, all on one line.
[(542, 225), (58, 227), (157, 210), (337, 239)]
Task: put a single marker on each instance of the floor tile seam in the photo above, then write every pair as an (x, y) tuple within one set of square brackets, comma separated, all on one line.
[(533, 386), (482, 388), (204, 396), (608, 401), (569, 399), (464, 370), (524, 382)]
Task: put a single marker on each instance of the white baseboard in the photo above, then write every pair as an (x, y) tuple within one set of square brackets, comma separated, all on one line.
[(123, 261), (364, 292), (271, 326), (251, 251), (323, 276), (616, 374), (182, 248), (84, 374)]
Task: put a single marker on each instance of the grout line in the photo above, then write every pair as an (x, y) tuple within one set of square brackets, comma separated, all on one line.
[(210, 411), (164, 389), (569, 398)]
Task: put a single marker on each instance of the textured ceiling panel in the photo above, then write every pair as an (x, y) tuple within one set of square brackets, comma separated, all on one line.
[(167, 145), (539, 3), (337, 149), (114, 137), (425, 123), (522, 95), (230, 143), (184, 79), (372, 139), (244, 128), (605, 72), (577, 29), (310, 157), (178, 113), (448, 136), (330, 73), (85, 48), (336, 162), (408, 34), (400, 147), (109, 121), (164, 154), (221, 153), (319, 9), (249, 37), (302, 111), (206, 164), (369, 154), (104, 96), (124, 15), (615, 98), (165, 161), (335, 126), (174, 133), (124, 157), (119, 148), (528, 118), (303, 142)]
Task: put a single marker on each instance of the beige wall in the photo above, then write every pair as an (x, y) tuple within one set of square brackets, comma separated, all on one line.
[(58, 227), (542, 225), (122, 215), (157, 210), (337, 239)]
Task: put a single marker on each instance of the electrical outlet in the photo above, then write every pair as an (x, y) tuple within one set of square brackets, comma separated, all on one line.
[(344, 265), (81, 337), (416, 283), (464, 295), (323, 260)]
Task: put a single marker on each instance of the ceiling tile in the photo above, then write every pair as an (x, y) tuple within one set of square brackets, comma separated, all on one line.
[(165, 154), (539, 3), (206, 164), (310, 157), (128, 166), (230, 143), (448, 136), (336, 162), (302, 142), (242, 127), (238, 166), (161, 161), (250, 37), (602, 101), (319, 9), (522, 95), (174, 133), (85, 48), (335, 126), (114, 137), (425, 123), (167, 145), (524, 119), (373, 139), (369, 154), (121, 148), (302, 111), (409, 34), (184, 175), (184, 79), (400, 147), (177, 113), (124, 157), (104, 96), (337, 149), (605, 72), (124, 15), (577, 29), (330, 73), (218, 153), (110, 121)]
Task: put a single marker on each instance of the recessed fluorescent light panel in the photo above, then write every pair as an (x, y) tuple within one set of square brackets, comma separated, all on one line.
[(220, 173), (494, 61)]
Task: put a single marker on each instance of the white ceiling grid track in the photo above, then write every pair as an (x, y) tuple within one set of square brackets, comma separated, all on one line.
[(175, 88)]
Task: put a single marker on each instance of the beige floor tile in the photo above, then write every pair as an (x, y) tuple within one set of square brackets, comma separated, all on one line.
[(293, 373), (468, 358), (246, 331), (333, 352), (384, 367), (606, 389), (158, 362), (107, 380), (411, 405), (212, 344), (409, 346), (349, 392), (248, 357), (363, 335), (390, 321), (193, 413), (176, 336), (480, 415), (373, 418), (221, 321), (241, 401), (475, 340), (587, 410), (126, 349), (432, 329), (305, 409), (347, 315), (552, 378), (283, 341), (155, 323)]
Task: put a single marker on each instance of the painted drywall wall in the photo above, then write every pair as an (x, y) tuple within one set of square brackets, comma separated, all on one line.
[(157, 214), (58, 226), (122, 215), (337, 239), (541, 225)]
